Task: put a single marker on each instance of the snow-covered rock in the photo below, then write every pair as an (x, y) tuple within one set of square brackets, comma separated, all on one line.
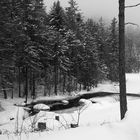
[(65, 102), (85, 102), (41, 107)]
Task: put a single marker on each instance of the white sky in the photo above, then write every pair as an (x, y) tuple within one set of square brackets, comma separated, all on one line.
[(105, 8)]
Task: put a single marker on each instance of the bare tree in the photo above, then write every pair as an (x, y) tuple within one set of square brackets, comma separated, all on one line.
[(122, 78)]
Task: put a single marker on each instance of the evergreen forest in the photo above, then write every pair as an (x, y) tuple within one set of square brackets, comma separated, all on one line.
[(59, 51)]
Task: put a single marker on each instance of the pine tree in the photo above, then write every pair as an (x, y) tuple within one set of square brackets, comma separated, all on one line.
[(24, 21), (57, 23), (90, 57), (99, 33), (113, 52), (7, 27), (74, 55), (31, 25), (72, 13)]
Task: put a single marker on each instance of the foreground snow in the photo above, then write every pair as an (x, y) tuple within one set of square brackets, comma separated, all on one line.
[(100, 121), (127, 129)]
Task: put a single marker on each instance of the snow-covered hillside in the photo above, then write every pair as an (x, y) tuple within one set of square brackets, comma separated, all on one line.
[(100, 121)]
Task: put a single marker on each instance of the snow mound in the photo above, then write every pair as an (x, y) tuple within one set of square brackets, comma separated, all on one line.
[(85, 102), (65, 102), (41, 107), (127, 129)]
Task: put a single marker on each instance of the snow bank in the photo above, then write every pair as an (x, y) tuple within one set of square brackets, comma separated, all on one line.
[(100, 121), (127, 129), (132, 85)]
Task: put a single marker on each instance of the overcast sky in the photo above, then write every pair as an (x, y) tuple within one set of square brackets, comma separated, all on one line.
[(105, 8)]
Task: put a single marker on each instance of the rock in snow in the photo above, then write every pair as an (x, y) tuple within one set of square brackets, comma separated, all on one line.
[(41, 107)]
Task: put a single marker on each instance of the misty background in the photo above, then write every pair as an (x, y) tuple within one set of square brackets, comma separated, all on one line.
[(107, 9)]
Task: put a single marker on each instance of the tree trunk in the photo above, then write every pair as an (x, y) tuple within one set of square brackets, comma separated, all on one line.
[(30, 71), (12, 93), (3, 87), (4, 92), (75, 85), (26, 84), (64, 83), (122, 79), (60, 80), (80, 87), (33, 85), (19, 82), (45, 82), (56, 71), (55, 81), (69, 83)]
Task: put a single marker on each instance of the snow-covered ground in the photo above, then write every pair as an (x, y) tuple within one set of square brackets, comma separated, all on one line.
[(100, 121)]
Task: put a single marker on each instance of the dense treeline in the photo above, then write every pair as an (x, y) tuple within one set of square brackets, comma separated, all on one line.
[(132, 49), (58, 49)]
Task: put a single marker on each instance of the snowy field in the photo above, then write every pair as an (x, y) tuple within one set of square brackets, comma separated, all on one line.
[(99, 121)]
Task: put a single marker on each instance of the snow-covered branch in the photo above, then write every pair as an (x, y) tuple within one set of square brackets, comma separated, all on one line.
[(131, 23), (131, 6)]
